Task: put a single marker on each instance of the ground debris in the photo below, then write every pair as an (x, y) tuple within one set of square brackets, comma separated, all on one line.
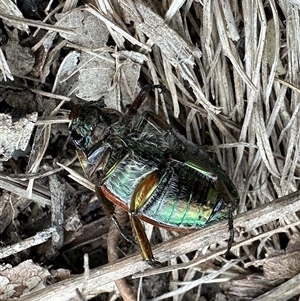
[(21, 279), (232, 83), (247, 287), (19, 133), (284, 265)]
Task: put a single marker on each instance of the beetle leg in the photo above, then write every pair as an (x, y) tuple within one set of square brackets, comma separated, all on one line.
[(230, 228), (140, 196), (139, 100), (109, 210), (231, 206), (143, 242)]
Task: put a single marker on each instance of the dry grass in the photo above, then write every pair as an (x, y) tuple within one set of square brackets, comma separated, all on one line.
[(233, 75)]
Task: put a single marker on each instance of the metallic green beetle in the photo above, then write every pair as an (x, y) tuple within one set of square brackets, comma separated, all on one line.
[(150, 170)]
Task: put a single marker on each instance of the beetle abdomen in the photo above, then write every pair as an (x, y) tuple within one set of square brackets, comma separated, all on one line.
[(183, 198)]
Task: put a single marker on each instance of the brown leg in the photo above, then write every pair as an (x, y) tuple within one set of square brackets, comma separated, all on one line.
[(140, 196), (109, 210), (140, 99), (143, 242)]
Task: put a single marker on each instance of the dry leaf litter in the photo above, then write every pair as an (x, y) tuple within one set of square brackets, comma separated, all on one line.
[(231, 70)]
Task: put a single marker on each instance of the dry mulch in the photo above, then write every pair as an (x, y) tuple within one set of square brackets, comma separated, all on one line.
[(231, 69)]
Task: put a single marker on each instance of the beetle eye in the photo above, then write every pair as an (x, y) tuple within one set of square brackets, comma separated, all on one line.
[(77, 139)]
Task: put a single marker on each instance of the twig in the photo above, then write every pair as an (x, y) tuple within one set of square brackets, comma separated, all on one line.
[(41, 198), (252, 219), (35, 23), (58, 195), (35, 240)]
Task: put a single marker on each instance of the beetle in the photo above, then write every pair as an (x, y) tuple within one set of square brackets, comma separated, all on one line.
[(142, 164)]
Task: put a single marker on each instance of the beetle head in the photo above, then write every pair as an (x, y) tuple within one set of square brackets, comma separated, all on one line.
[(90, 124)]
